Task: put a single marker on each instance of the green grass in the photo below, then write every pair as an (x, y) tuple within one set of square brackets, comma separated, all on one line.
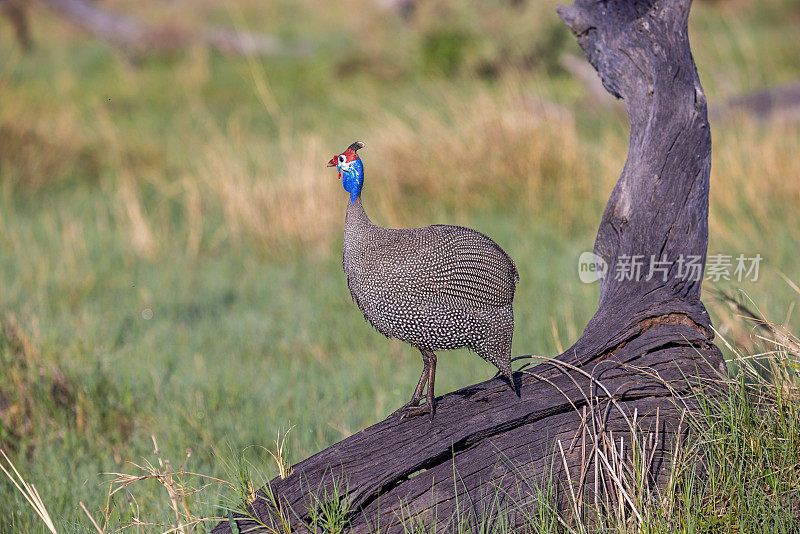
[(170, 240)]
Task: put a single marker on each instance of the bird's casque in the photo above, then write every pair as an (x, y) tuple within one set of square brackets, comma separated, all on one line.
[(351, 170)]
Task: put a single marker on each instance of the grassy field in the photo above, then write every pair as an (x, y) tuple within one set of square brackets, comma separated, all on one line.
[(170, 239)]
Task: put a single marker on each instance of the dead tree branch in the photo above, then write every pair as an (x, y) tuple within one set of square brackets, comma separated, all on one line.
[(135, 36)]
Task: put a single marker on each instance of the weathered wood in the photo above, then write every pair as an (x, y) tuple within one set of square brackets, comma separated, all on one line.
[(646, 347), (16, 11), (780, 103), (135, 36)]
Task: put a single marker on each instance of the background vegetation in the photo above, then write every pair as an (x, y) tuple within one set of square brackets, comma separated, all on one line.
[(170, 239)]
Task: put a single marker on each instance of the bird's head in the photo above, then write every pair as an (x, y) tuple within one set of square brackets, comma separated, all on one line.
[(351, 170)]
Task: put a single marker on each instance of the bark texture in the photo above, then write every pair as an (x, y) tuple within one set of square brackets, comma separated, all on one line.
[(628, 377)]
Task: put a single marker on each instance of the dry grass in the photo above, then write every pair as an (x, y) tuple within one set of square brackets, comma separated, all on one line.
[(754, 189), (494, 147), (745, 439), (28, 491), (276, 202), (182, 488), (38, 150), (35, 391), (511, 150)]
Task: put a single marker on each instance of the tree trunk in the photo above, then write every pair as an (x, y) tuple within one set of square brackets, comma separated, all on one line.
[(620, 390)]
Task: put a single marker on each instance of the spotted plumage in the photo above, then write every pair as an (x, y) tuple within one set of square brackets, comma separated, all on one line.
[(436, 288)]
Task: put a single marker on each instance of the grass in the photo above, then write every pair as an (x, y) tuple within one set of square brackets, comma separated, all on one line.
[(170, 240)]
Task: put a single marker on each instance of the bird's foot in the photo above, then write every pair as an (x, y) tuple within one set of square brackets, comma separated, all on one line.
[(414, 409)]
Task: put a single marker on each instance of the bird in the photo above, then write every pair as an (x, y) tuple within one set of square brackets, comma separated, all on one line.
[(436, 288)]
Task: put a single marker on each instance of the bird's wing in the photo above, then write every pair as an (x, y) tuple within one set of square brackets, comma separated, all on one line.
[(454, 266)]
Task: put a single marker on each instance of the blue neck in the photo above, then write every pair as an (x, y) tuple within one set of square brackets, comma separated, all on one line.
[(353, 179)]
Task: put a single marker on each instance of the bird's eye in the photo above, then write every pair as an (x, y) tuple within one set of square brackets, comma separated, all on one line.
[(342, 158)]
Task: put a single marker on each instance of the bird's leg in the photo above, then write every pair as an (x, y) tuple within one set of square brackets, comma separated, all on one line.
[(417, 396), (413, 408), (431, 397)]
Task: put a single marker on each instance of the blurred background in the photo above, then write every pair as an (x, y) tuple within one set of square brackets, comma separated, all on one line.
[(170, 239)]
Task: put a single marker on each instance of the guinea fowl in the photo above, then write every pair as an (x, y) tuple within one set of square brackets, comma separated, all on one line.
[(437, 288)]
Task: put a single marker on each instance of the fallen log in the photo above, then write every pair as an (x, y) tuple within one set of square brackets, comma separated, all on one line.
[(135, 36), (16, 11), (781, 103), (489, 454)]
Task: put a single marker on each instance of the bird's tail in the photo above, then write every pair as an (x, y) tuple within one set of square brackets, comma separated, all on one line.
[(506, 371)]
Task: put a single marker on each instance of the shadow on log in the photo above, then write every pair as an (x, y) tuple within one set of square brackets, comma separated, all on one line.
[(629, 376)]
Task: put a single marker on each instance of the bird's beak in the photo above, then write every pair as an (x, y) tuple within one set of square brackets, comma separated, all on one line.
[(332, 162)]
